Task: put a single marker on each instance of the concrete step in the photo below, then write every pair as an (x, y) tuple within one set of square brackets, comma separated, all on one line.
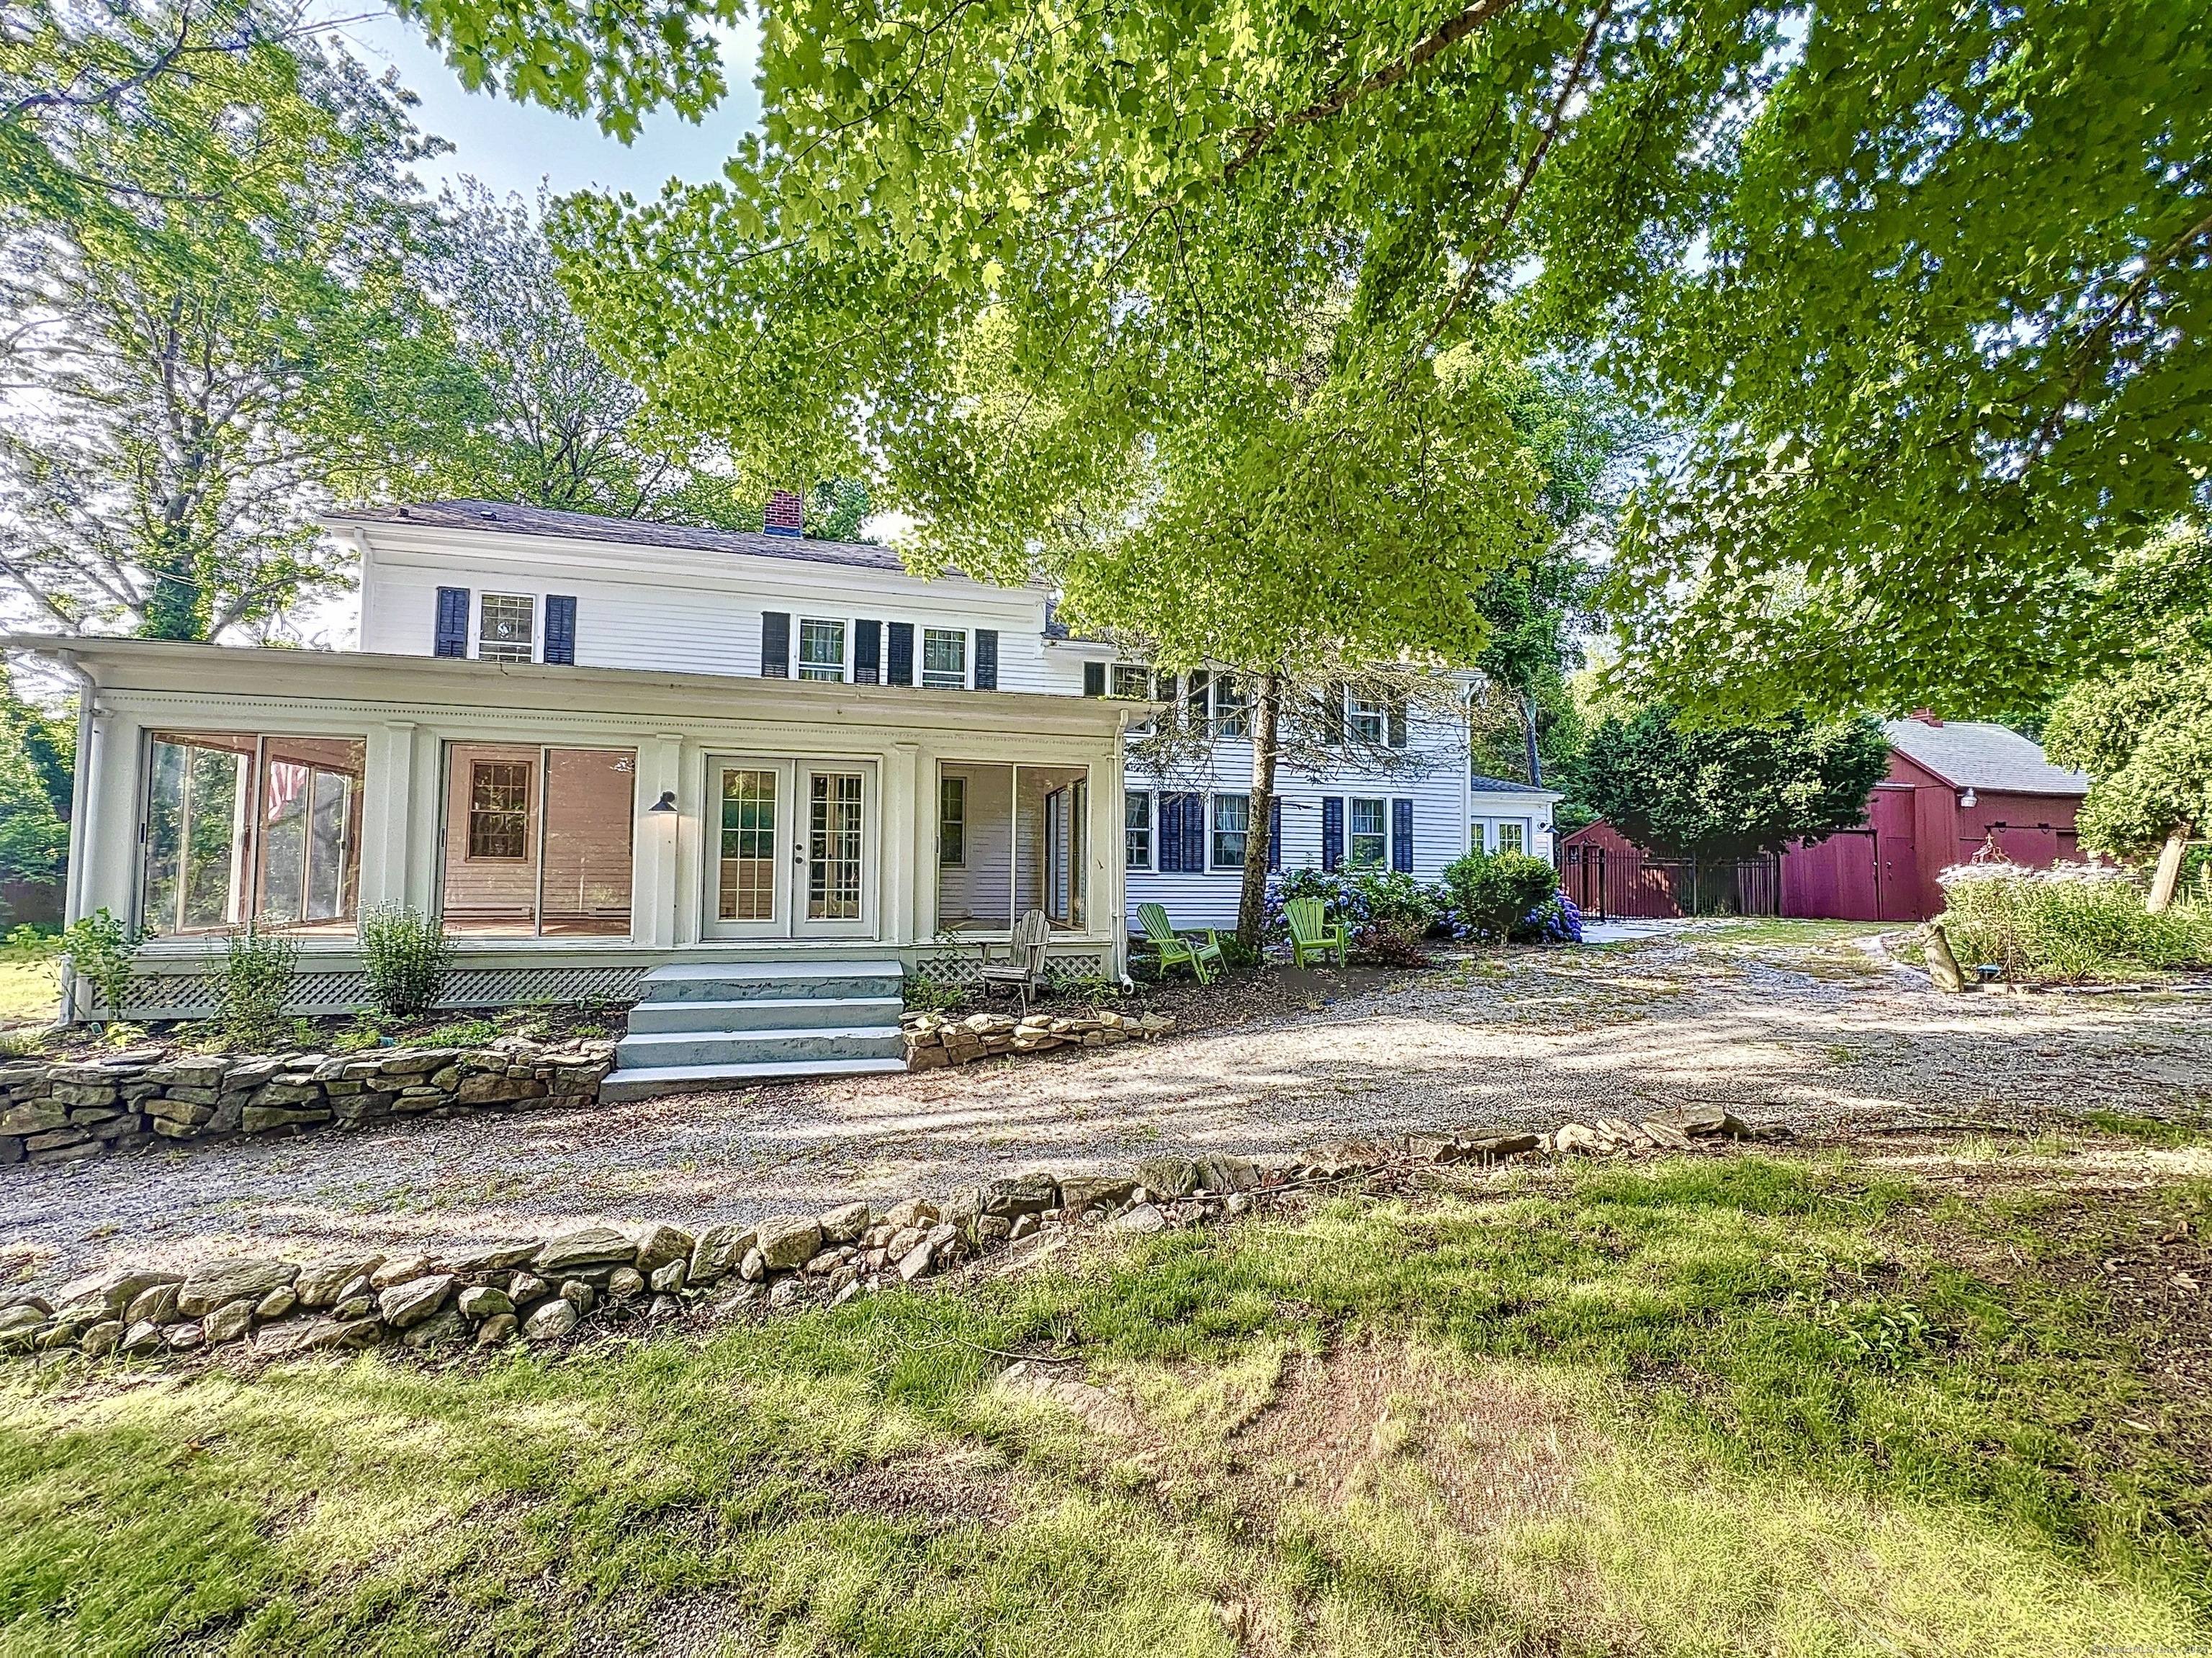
[(765, 1013), (740, 981), (647, 1084), (656, 1051)]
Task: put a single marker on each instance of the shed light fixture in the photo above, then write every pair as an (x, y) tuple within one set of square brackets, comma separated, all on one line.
[(1967, 799), (666, 803)]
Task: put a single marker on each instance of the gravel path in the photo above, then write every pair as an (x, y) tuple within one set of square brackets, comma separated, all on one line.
[(1820, 1036)]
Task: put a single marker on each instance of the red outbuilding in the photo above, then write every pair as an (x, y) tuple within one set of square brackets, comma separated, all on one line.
[(1954, 787)]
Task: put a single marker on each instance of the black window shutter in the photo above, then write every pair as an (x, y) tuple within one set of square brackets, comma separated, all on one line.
[(1332, 831), (452, 622), (1401, 835), (868, 652), (1397, 726), (1332, 712), (776, 644), (986, 659), (900, 655), (1094, 679), (561, 627), (1275, 832), (1193, 832), (1169, 855)]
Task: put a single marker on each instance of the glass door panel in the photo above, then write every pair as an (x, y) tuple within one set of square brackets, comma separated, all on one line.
[(836, 893), (750, 799)]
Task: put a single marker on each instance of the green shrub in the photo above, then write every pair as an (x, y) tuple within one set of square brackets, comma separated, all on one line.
[(926, 995), (104, 952), (1496, 897), (404, 956), (256, 982), (2071, 922)]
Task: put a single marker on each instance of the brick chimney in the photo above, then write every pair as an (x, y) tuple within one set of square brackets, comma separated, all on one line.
[(787, 514), (1926, 716)]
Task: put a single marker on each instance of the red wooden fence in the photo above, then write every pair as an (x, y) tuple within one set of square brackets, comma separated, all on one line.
[(1611, 883)]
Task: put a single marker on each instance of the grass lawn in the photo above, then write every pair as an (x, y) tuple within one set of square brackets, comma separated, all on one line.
[(1786, 1405), (30, 987)]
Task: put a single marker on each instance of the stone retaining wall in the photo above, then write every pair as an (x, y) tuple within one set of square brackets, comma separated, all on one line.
[(60, 1112), (544, 1290), (934, 1039)]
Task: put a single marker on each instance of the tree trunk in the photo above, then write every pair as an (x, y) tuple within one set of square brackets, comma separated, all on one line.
[(1528, 728), (2168, 875), (1260, 821)]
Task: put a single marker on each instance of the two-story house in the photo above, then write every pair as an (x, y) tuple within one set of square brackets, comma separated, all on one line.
[(770, 773)]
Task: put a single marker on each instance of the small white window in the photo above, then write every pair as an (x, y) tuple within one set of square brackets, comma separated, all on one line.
[(945, 659), (1367, 721), (1371, 842), (821, 649), (1137, 817), (1231, 707), (506, 627), (1133, 680)]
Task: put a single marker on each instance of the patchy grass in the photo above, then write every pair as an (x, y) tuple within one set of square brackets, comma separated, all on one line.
[(2150, 1131), (30, 987), (1713, 1406)]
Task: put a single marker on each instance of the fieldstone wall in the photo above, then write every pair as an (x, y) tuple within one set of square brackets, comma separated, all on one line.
[(60, 1112), (546, 1290), (934, 1039)]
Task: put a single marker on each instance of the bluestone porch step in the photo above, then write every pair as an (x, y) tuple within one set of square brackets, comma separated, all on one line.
[(738, 981), (746, 1046), (640, 1084), (765, 1013)]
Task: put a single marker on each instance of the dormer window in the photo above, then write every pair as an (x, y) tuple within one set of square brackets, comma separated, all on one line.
[(506, 627)]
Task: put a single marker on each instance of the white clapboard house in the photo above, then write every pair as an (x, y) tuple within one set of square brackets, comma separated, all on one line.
[(752, 779)]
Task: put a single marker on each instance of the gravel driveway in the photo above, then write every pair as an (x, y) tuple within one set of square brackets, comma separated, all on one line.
[(1820, 1037)]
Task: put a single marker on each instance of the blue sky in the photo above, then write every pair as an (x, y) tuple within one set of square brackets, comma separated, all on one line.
[(511, 146)]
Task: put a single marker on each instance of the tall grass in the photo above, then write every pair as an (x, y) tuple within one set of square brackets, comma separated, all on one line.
[(2067, 924)]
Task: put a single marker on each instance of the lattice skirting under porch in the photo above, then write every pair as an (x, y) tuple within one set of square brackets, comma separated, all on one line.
[(193, 996), (963, 967)]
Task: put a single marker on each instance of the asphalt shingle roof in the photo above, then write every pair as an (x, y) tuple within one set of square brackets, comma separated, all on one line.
[(1970, 754), (506, 519), (1503, 785)]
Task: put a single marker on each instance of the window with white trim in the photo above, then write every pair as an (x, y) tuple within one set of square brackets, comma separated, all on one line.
[(1137, 819), (1370, 833), (821, 649), (506, 627), (945, 659), (1231, 706), (1366, 720), (1232, 815), (1133, 680)]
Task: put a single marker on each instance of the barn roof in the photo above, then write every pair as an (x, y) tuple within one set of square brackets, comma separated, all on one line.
[(1972, 754)]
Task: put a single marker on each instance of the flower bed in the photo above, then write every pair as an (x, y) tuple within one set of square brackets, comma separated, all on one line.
[(2065, 924)]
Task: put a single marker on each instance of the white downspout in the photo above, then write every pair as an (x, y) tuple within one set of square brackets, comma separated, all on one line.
[(88, 757)]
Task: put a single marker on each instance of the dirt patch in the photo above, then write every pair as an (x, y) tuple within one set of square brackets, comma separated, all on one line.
[(1250, 994), (960, 1487), (1495, 1447)]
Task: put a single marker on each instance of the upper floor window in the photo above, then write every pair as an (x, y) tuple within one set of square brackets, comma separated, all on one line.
[(821, 649), (944, 659), (1370, 837), (1133, 680), (1367, 721), (506, 627), (1231, 706)]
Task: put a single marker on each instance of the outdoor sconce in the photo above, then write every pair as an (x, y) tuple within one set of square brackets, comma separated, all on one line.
[(666, 803), (1967, 799)]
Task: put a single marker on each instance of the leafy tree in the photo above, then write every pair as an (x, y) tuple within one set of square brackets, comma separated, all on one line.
[(558, 426), (193, 369), (1726, 792), (2145, 737), (1922, 283), (36, 767)]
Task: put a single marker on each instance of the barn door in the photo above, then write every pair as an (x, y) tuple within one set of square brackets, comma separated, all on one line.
[(1897, 857)]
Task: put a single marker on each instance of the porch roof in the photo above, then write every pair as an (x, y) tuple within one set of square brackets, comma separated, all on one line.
[(365, 677)]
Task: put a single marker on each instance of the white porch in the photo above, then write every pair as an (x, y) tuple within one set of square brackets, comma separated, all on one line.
[(577, 827)]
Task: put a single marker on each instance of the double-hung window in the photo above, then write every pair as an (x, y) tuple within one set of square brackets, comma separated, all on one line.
[(1137, 815), (1231, 816), (821, 649), (1231, 707), (1133, 680), (506, 627), (1366, 720), (1370, 833), (944, 659)]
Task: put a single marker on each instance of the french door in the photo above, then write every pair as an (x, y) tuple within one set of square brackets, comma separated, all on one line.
[(794, 848)]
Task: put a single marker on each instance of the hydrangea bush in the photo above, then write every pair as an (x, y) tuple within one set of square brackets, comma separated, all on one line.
[(1481, 897)]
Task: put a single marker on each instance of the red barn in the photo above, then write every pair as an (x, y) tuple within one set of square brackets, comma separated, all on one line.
[(1952, 786)]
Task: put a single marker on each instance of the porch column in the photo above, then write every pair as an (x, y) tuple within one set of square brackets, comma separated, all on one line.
[(387, 815), (903, 822), (660, 770), (1108, 850)]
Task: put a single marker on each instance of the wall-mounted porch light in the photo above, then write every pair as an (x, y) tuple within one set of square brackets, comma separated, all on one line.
[(1967, 799), (666, 803)]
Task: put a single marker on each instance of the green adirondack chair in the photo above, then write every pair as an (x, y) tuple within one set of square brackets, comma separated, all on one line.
[(1174, 947), (1312, 933)]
